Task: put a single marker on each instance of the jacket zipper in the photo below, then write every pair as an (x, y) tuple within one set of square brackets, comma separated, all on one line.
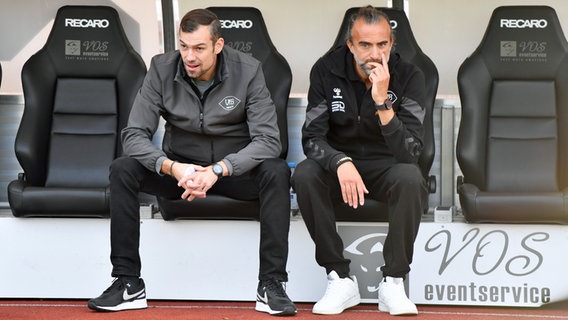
[(201, 116)]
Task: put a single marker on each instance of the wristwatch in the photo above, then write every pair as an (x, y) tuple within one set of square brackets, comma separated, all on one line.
[(387, 105), (217, 169)]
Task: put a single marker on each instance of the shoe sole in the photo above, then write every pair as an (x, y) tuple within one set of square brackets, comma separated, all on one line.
[(132, 305), (262, 307), (383, 308), (353, 301)]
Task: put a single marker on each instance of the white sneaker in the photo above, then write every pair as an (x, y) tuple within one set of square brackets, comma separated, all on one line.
[(341, 294), (393, 299)]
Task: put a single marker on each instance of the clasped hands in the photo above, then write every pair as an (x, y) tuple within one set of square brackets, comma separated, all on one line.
[(195, 179)]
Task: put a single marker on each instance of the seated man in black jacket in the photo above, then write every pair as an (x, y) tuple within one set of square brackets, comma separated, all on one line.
[(362, 138)]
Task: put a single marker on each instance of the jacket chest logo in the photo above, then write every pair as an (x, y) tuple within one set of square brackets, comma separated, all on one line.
[(229, 103), (337, 105)]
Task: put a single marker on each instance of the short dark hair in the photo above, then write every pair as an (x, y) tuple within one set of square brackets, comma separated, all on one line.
[(201, 17), (371, 15)]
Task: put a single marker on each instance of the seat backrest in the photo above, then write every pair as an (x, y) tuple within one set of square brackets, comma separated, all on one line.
[(78, 91), (512, 136), (244, 29), (408, 48)]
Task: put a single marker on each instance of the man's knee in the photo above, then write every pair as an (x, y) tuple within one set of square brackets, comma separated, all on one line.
[(305, 172), (275, 165), (276, 168), (121, 165), (409, 176)]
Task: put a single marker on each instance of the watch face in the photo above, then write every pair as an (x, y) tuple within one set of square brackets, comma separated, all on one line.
[(388, 104), (217, 169)]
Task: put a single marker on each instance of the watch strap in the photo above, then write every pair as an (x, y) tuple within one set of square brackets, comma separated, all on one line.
[(386, 105)]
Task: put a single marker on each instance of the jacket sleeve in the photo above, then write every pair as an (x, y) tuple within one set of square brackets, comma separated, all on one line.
[(316, 125), (143, 122), (263, 128), (404, 133)]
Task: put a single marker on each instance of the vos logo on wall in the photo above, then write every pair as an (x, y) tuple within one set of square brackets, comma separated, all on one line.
[(465, 264), (501, 265)]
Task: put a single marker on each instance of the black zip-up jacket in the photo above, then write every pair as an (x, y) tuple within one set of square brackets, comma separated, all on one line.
[(338, 124)]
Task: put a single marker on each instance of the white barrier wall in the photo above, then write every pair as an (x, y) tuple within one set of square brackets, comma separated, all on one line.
[(454, 263), (186, 260)]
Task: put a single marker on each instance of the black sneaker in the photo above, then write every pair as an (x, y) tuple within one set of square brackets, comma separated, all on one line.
[(121, 295), (271, 298)]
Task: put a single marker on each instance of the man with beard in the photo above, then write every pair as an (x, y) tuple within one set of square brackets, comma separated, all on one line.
[(362, 138), (221, 137)]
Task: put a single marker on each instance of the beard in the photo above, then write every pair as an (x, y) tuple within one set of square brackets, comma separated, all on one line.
[(363, 65)]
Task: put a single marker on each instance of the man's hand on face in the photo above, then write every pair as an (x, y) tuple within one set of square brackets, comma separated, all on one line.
[(353, 189), (380, 78)]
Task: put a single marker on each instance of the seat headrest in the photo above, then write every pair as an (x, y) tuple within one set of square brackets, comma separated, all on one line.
[(244, 29), (87, 40), (405, 43), (523, 42)]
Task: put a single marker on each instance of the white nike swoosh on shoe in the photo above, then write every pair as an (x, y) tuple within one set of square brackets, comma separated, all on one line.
[(127, 296), (263, 299)]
